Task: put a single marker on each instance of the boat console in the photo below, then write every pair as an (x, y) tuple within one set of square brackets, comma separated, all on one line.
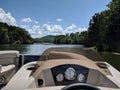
[(65, 71)]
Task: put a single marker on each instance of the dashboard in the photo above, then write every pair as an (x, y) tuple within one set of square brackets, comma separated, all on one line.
[(69, 73)]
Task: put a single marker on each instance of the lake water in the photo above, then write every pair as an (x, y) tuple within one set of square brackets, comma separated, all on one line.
[(38, 49), (34, 49)]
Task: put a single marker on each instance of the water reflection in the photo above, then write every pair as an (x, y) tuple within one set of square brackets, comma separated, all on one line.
[(20, 48), (38, 49), (33, 49)]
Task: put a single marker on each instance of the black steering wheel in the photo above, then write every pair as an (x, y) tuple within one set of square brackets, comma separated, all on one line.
[(80, 86)]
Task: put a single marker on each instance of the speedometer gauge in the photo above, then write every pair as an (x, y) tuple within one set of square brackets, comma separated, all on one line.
[(81, 77), (70, 74), (59, 77)]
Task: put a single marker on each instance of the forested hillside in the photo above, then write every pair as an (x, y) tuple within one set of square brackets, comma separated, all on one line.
[(104, 29), (73, 38), (14, 35), (45, 39), (103, 32)]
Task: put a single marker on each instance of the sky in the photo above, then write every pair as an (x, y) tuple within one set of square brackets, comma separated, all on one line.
[(50, 17)]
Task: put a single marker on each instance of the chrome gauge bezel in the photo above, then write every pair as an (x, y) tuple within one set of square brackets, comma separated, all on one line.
[(59, 77), (70, 73), (81, 77)]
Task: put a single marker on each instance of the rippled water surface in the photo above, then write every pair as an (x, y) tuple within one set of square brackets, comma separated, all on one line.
[(34, 49), (38, 49)]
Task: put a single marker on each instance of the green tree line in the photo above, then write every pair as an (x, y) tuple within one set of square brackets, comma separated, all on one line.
[(73, 38), (104, 29), (103, 32), (14, 35), (45, 39)]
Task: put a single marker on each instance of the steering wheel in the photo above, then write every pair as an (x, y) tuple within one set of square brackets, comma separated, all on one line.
[(80, 86)]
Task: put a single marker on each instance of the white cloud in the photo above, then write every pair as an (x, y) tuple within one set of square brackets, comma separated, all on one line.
[(36, 27), (51, 29), (35, 30), (26, 20), (7, 18), (28, 28), (25, 26), (59, 19), (46, 27), (57, 28), (71, 27), (36, 22), (81, 29)]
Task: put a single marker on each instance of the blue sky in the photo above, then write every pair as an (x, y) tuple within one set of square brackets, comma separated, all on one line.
[(44, 17)]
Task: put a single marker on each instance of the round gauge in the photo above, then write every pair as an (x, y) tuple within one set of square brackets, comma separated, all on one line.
[(70, 74), (81, 77), (59, 77)]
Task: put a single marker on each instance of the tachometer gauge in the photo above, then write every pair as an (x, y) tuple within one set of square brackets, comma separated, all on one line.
[(59, 77), (70, 74), (81, 77)]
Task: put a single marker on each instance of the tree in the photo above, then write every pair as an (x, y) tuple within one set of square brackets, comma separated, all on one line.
[(3, 34), (114, 26), (13, 34), (104, 28)]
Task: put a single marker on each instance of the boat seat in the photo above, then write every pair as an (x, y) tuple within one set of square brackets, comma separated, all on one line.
[(6, 68), (9, 57)]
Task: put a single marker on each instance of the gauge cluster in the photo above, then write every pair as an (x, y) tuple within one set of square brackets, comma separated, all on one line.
[(69, 73)]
